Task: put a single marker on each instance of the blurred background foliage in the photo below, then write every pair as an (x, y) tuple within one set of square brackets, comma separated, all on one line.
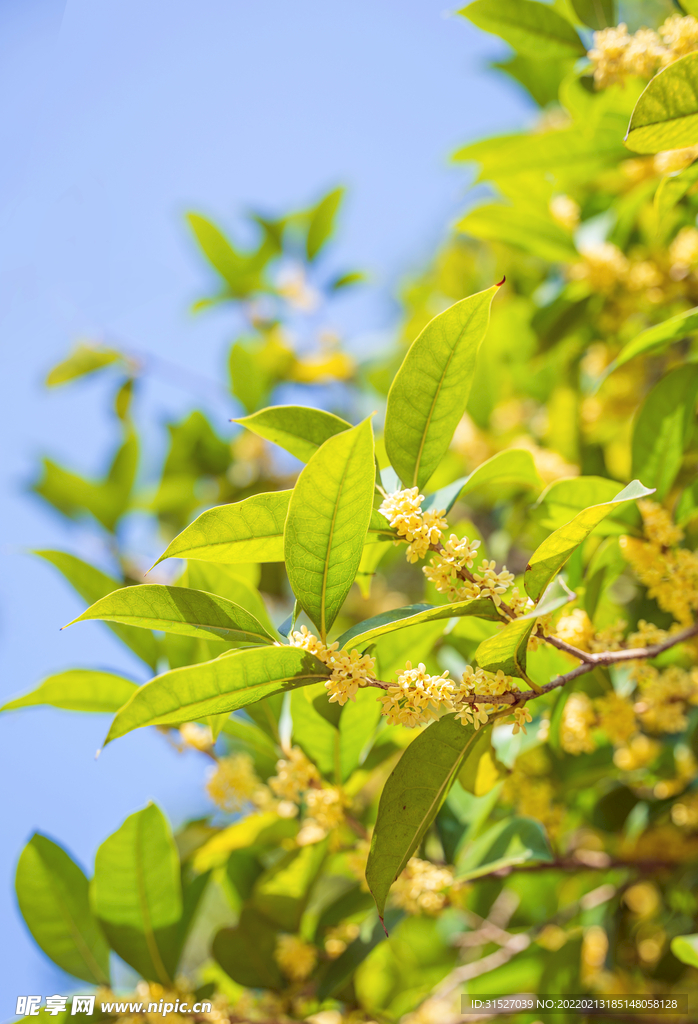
[(598, 245)]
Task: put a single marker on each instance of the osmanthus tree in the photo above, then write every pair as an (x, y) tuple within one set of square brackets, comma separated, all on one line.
[(454, 776)]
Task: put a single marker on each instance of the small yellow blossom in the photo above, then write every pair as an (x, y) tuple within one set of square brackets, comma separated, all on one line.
[(610, 638), (325, 807), (616, 717), (233, 783), (350, 670), (576, 629), (296, 774), (199, 737), (565, 211), (604, 266), (578, 718), (403, 510), (295, 957), (639, 753), (422, 887), (493, 584), (522, 716), (337, 939), (446, 565), (680, 35)]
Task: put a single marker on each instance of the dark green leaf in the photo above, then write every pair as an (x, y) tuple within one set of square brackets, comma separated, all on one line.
[(341, 970), (246, 952), (511, 841), (53, 895), (411, 798), (328, 517), (430, 390), (281, 892), (412, 615)]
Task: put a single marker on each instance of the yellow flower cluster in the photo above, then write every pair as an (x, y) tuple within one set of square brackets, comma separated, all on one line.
[(603, 267), (295, 957), (576, 629), (664, 697), (422, 888), (616, 717), (684, 812), (683, 253), (417, 697), (670, 573), (198, 737), (638, 753), (578, 719), (295, 776), (337, 939), (445, 566), (324, 812), (491, 583), (616, 54), (350, 670), (531, 792), (233, 784), (403, 510)]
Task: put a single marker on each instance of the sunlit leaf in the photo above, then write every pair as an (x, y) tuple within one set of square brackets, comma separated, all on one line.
[(514, 465), (214, 687), (84, 359), (247, 531), (671, 190), (540, 236), (666, 115), (91, 584), (322, 221), (178, 610), (297, 428), (685, 949), (230, 581), (656, 338), (256, 831), (78, 689), (328, 516), (552, 554), (506, 650), (136, 893), (532, 28), (663, 428), (430, 390), (53, 895), (411, 798)]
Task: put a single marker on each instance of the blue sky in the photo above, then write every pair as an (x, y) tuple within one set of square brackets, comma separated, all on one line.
[(117, 116)]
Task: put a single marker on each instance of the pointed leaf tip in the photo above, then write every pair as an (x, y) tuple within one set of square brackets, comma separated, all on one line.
[(500, 283), (383, 926)]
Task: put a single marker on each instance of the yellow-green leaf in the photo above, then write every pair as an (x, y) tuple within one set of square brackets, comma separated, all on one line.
[(78, 689), (414, 614), (328, 517), (666, 115), (214, 687), (534, 29), (82, 360), (297, 428), (179, 610)]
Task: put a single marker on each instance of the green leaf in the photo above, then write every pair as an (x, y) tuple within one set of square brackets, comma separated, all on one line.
[(82, 360), (91, 584), (666, 115), (563, 499), (515, 465), (372, 933), (672, 188), (655, 339), (178, 610), (255, 831), (524, 229), (136, 893), (411, 798), (281, 892), (430, 391), (328, 517), (685, 949), (215, 687), (246, 952), (78, 689), (313, 733), (687, 505), (412, 615), (240, 271), (357, 725), (297, 428), (322, 221), (229, 582), (532, 28), (507, 649), (541, 79), (53, 895), (247, 531), (512, 841), (552, 554), (106, 500), (597, 14), (663, 428)]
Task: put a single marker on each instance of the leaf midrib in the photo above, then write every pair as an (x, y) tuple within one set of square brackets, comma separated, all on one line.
[(75, 932)]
